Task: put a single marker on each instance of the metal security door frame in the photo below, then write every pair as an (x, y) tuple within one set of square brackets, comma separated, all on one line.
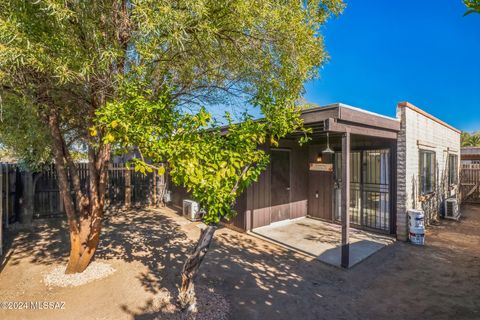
[(383, 190), (362, 223)]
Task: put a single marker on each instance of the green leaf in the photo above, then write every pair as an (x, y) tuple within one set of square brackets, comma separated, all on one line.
[(161, 170)]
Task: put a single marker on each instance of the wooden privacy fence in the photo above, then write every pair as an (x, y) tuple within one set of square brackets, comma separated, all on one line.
[(8, 203), (125, 188), (470, 183)]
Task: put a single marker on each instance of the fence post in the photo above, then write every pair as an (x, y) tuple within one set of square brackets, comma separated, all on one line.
[(60, 203), (161, 187), (154, 188), (128, 188), (1, 209), (108, 197), (28, 196), (7, 194)]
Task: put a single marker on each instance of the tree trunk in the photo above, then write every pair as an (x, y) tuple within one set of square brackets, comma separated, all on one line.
[(83, 245), (128, 189), (186, 297), (85, 217)]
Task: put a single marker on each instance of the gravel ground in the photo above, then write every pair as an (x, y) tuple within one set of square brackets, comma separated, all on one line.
[(96, 270), (251, 279), (210, 305)]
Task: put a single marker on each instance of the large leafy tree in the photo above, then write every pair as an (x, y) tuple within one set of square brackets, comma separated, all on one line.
[(472, 5), (263, 52), (215, 163), (59, 61), (62, 60)]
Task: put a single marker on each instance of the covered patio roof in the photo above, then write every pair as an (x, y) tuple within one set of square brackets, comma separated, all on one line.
[(347, 121), (341, 118)]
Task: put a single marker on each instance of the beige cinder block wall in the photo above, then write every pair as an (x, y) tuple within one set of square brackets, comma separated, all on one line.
[(420, 130)]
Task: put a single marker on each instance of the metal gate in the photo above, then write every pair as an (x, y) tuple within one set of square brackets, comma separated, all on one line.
[(370, 205)]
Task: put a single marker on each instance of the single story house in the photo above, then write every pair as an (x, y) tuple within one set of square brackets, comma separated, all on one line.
[(393, 165)]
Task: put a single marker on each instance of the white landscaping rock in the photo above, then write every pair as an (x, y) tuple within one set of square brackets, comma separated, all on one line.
[(95, 271)]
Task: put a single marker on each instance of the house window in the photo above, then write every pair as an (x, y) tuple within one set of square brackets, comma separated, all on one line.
[(427, 172), (452, 169)]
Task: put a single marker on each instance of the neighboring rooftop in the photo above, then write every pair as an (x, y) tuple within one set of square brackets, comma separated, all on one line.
[(471, 150), (470, 153)]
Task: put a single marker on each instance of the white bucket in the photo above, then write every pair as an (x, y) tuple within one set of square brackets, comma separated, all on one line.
[(416, 219), (417, 235)]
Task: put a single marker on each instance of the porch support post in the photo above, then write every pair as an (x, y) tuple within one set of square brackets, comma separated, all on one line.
[(345, 199)]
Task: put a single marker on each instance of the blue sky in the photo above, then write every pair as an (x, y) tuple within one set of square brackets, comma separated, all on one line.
[(386, 51)]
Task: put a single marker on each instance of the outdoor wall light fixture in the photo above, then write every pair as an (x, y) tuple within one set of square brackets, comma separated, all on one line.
[(328, 150)]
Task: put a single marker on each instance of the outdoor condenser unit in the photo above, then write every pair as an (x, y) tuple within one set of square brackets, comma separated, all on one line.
[(191, 210), (167, 196), (451, 209)]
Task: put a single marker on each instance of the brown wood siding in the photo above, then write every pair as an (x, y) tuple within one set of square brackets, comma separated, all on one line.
[(320, 183), (261, 200), (298, 209), (178, 194), (238, 221), (299, 182), (254, 206), (255, 209), (320, 196), (258, 211), (280, 184)]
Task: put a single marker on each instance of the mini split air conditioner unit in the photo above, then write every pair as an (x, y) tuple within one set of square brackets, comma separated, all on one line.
[(451, 209), (191, 210)]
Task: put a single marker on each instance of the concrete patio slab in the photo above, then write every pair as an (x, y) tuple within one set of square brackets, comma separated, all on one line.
[(322, 240)]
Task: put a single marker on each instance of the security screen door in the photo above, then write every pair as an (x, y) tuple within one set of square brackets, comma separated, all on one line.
[(369, 188)]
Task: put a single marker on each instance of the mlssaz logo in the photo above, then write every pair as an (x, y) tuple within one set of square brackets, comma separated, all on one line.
[(32, 305)]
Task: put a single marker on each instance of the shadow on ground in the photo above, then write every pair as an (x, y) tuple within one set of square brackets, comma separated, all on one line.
[(263, 281), (145, 236)]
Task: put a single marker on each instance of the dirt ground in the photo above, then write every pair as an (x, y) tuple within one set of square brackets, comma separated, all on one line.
[(258, 280)]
